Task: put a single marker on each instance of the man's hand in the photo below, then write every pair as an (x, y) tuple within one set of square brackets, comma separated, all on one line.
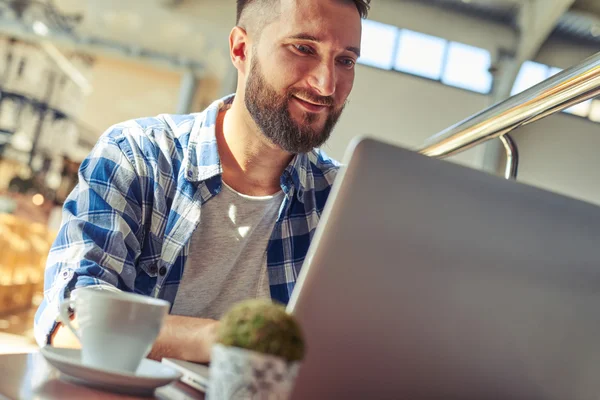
[(63, 337), (184, 338)]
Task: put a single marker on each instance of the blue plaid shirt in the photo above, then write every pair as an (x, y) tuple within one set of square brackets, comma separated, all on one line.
[(128, 223)]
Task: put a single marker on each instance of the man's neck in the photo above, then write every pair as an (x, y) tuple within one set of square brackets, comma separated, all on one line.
[(252, 165)]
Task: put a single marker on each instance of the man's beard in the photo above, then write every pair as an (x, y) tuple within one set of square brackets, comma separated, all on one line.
[(270, 111)]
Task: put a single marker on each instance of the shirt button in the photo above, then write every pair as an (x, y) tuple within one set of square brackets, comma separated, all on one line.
[(153, 268), (162, 271)]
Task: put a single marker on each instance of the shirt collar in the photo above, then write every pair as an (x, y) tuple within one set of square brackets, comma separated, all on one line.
[(295, 175), (203, 156), (203, 160)]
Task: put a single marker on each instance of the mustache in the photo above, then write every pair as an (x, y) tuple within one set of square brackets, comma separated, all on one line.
[(313, 98)]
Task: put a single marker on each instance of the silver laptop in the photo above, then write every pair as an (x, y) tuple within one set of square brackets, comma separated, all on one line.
[(426, 279), (195, 375)]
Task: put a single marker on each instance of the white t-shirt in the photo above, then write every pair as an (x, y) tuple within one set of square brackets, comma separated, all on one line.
[(227, 259)]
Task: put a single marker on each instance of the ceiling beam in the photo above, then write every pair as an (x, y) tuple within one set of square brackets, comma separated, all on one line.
[(101, 47), (536, 20)]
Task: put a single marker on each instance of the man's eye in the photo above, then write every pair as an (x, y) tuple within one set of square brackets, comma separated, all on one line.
[(348, 62), (303, 48)]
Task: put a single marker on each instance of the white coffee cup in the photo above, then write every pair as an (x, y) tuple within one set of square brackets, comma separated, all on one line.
[(116, 329)]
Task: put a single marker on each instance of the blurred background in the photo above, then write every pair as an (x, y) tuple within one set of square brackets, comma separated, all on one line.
[(69, 69)]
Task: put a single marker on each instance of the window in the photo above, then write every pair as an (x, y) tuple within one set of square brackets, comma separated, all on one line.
[(377, 44), (581, 109), (455, 64), (420, 54), (595, 111), (554, 71), (531, 74), (468, 67)]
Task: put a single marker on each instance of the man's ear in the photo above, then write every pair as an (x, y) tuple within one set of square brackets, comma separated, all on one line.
[(238, 48)]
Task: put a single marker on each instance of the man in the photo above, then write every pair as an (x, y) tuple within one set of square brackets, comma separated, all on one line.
[(208, 209)]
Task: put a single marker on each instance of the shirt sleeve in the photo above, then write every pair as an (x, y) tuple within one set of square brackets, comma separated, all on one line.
[(99, 239)]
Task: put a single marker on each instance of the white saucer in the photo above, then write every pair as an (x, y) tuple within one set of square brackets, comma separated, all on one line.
[(149, 375)]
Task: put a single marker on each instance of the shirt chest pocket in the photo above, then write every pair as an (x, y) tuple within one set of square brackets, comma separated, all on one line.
[(149, 267), (146, 277)]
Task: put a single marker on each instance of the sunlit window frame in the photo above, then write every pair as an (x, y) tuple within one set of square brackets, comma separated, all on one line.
[(594, 103), (593, 114), (396, 48)]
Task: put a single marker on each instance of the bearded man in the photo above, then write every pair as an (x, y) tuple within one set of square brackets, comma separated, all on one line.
[(208, 209)]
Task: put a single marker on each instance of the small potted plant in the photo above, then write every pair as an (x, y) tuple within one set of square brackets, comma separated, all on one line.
[(258, 353)]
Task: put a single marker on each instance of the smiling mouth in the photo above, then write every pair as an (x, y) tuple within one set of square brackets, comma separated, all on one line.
[(310, 106)]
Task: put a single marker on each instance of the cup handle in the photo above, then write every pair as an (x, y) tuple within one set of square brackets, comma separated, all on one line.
[(65, 319)]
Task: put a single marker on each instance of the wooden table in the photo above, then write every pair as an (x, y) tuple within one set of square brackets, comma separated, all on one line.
[(29, 376)]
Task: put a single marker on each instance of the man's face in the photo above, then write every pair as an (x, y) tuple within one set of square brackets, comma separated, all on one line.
[(302, 71)]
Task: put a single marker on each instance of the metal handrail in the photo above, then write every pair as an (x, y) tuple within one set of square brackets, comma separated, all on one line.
[(561, 91), (512, 156)]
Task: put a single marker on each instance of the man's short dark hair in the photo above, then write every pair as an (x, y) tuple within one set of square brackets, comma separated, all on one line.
[(361, 5)]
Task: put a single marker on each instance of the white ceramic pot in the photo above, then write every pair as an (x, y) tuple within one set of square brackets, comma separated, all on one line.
[(237, 374)]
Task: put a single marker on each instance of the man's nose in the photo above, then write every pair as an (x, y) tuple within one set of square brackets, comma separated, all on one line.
[(323, 79)]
